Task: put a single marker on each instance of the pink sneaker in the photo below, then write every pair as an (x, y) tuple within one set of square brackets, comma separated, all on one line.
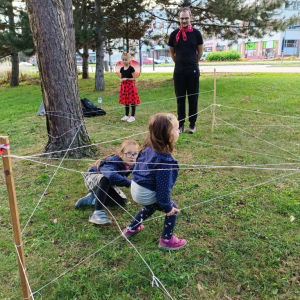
[(173, 244), (128, 233)]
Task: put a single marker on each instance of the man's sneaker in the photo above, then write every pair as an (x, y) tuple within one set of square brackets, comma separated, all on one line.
[(181, 129), (173, 244), (192, 129), (125, 118), (131, 119), (129, 233), (88, 200), (99, 218)]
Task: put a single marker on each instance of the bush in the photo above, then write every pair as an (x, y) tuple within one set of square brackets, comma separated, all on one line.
[(223, 56)]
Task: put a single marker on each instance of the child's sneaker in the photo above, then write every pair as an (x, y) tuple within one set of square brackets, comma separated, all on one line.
[(99, 218), (131, 119), (125, 118), (129, 233), (88, 200), (173, 244)]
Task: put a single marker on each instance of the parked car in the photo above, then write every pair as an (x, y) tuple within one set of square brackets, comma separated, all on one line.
[(203, 57), (166, 60), (156, 61)]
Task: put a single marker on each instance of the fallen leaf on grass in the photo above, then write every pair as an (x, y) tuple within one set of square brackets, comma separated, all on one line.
[(227, 298), (200, 288), (53, 221), (292, 218), (238, 289)]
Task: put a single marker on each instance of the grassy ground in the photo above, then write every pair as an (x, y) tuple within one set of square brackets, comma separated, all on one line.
[(242, 246)]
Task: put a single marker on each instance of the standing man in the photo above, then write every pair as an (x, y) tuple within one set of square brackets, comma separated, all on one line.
[(186, 49)]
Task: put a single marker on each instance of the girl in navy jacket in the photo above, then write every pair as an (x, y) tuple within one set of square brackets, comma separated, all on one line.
[(154, 177), (106, 175)]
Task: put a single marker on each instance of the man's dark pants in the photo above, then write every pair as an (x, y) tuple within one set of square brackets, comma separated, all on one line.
[(187, 84)]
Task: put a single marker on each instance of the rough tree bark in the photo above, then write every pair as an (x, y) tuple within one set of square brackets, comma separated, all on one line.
[(58, 77), (14, 81), (85, 62), (71, 28), (99, 76)]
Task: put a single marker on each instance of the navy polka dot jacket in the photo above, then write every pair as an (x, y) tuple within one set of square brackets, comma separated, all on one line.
[(114, 163), (161, 181)]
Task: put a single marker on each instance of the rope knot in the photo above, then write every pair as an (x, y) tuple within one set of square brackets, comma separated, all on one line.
[(154, 280)]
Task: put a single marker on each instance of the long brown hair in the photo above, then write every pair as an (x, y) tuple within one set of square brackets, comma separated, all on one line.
[(122, 148), (160, 136)]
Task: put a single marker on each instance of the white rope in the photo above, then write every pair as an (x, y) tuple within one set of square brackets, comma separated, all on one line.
[(258, 112), (154, 278), (48, 153), (94, 144), (259, 138), (244, 125), (57, 137), (91, 122), (246, 151), (76, 265), (225, 195), (150, 102), (49, 183), (24, 272), (196, 167)]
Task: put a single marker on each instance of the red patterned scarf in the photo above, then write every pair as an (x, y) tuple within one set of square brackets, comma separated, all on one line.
[(183, 31)]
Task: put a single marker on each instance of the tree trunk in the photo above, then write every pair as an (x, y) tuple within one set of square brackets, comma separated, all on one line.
[(14, 81), (14, 53), (99, 76), (127, 45), (71, 28), (59, 80), (85, 62)]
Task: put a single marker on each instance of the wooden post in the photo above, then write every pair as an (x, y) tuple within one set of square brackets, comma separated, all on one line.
[(14, 216), (214, 106)]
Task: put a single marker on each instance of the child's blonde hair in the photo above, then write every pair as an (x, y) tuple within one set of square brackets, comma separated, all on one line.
[(122, 148), (160, 136), (127, 55)]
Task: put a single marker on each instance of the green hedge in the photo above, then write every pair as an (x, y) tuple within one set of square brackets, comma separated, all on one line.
[(223, 55)]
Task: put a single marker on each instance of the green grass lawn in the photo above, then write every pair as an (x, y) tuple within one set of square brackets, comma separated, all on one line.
[(241, 246)]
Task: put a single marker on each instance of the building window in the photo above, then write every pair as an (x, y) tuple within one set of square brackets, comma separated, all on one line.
[(250, 46), (290, 43), (292, 5)]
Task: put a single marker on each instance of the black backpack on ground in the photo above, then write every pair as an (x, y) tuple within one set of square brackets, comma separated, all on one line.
[(89, 109)]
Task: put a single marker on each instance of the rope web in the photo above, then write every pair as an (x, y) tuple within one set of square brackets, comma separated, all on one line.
[(155, 280)]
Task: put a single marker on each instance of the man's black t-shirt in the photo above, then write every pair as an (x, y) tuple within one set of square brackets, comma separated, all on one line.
[(127, 73), (186, 52)]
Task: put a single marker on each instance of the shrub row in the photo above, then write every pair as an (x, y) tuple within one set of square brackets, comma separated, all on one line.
[(223, 56)]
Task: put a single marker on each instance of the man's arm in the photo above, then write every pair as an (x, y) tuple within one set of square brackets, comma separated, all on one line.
[(172, 52), (200, 51)]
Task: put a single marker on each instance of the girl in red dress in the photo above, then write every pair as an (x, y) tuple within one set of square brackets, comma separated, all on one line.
[(128, 92)]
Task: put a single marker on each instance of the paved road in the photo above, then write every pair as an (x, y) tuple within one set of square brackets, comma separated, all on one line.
[(231, 69)]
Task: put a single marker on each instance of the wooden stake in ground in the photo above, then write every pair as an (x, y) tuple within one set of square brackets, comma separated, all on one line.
[(214, 106), (14, 215)]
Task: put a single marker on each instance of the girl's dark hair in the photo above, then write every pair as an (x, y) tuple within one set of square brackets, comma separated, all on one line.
[(122, 147), (160, 136)]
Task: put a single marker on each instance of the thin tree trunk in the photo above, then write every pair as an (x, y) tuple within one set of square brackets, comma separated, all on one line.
[(59, 79), (85, 62), (99, 76), (127, 45), (14, 81)]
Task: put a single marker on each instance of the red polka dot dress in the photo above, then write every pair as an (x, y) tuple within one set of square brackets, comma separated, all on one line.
[(128, 92)]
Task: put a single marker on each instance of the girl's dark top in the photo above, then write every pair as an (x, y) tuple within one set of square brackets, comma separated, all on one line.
[(108, 168), (157, 172), (127, 73)]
